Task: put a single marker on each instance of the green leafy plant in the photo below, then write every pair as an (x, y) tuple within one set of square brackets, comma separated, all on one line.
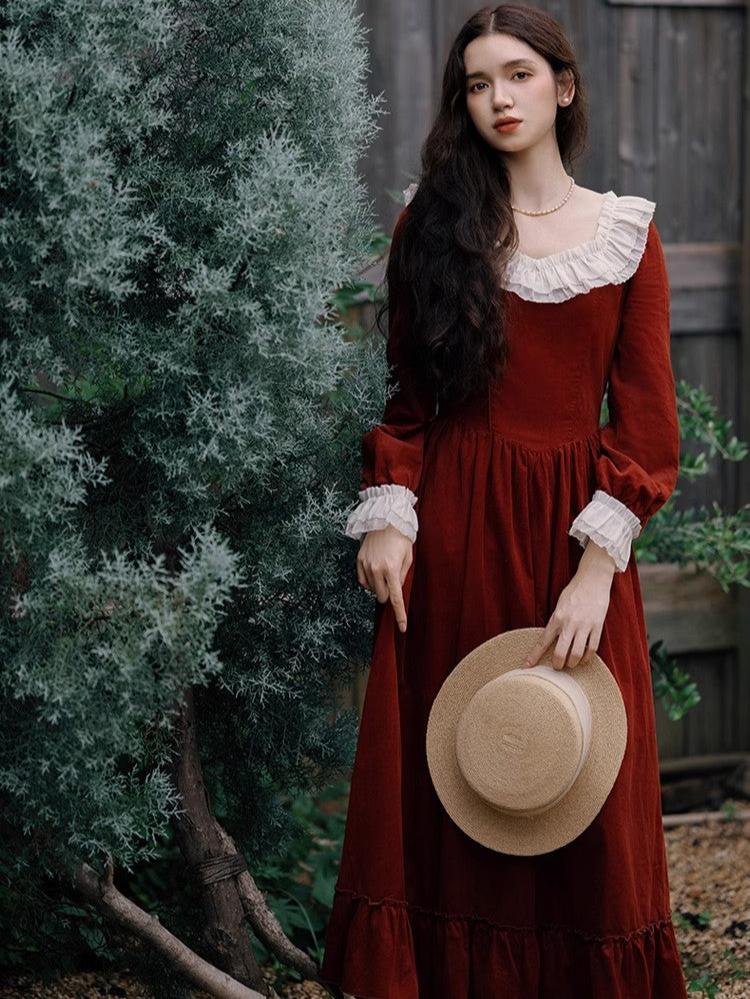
[(707, 983), (709, 539), (694, 920), (299, 882), (673, 686)]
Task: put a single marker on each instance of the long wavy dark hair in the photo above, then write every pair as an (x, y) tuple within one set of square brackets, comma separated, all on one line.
[(446, 257)]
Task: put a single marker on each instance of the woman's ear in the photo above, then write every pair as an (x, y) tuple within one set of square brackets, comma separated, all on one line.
[(565, 87)]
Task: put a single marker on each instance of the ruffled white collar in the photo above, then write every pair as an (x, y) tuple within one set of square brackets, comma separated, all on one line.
[(611, 257)]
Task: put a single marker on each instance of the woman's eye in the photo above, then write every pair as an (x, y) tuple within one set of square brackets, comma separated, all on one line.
[(473, 90)]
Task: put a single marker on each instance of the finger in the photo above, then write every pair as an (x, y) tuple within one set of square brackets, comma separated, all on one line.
[(397, 599), (588, 652), (369, 577), (538, 650), (542, 644), (381, 584), (578, 649), (361, 576), (560, 653), (594, 639), (405, 566)]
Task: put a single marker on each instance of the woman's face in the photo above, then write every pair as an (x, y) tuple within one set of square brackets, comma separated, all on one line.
[(505, 78)]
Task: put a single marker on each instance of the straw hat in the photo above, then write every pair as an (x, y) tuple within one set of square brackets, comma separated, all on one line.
[(523, 758)]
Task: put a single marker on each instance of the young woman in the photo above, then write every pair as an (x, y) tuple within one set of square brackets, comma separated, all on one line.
[(492, 499)]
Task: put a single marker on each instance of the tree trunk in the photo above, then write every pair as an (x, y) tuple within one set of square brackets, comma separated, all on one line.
[(264, 923), (225, 935)]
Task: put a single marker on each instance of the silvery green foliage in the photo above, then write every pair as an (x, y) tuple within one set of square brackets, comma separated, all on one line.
[(88, 693), (44, 471), (180, 198)]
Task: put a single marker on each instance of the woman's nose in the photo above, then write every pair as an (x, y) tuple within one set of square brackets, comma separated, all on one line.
[(500, 103)]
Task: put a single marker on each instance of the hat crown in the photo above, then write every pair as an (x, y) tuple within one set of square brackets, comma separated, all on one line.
[(598, 708), (523, 738)]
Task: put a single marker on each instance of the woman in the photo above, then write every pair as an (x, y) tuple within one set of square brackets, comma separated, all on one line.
[(492, 499)]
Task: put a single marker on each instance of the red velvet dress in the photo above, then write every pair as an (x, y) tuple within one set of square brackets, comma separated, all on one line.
[(422, 911)]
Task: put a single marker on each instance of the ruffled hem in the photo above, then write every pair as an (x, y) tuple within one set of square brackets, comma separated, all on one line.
[(609, 523), (611, 257), (382, 505), (371, 949)]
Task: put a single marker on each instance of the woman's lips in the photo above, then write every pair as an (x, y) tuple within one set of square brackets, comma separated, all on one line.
[(509, 127)]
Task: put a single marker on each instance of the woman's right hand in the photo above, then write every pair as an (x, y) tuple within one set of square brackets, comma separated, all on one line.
[(383, 561)]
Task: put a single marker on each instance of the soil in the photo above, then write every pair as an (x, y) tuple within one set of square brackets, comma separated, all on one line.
[(709, 874), (709, 877)]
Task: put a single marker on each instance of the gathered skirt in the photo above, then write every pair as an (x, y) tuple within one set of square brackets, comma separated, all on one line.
[(422, 911)]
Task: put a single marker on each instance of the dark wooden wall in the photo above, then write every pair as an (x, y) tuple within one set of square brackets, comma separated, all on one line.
[(669, 92)]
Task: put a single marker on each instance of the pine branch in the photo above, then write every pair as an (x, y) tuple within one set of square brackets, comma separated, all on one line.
[(51, 395)]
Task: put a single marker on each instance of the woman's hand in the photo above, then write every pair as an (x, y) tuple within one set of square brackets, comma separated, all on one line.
[(383, 561), (579, 615)]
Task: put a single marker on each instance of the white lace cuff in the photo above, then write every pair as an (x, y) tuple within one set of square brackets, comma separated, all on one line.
[(383, 505), (609, 523)]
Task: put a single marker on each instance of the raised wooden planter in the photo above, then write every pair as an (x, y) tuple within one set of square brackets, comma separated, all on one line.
[(701, 626), (687, 609)]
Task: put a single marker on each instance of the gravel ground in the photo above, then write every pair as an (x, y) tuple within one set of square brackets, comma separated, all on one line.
[(709, 877), (97, 984), (709, 874)]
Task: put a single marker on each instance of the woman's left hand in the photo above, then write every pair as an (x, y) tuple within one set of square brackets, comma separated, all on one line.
[(578, 618)]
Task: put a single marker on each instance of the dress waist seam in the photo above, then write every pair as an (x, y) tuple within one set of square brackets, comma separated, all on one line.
[(492, 434)]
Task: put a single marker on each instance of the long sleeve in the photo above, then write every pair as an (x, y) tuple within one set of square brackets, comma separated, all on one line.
[(639, 455), (392, 450)]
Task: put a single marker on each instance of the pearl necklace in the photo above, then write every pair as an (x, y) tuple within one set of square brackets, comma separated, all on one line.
[(547, 211)]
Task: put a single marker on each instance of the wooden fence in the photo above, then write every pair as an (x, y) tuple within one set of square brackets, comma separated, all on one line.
[(669, 93)]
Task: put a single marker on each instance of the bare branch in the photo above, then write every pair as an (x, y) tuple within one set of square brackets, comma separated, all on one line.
[(101, 892), (264, 923)]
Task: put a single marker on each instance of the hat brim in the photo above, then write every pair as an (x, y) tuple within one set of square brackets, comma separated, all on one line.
[(562, 822)]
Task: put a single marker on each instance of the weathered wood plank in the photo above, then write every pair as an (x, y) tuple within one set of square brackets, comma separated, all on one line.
[(687, 609)]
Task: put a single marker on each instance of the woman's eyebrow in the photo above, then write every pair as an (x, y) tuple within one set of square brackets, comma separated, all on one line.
[(505, 65)]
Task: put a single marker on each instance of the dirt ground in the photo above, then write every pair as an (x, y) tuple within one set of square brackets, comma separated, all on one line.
[(709, 877), (709, 868)]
